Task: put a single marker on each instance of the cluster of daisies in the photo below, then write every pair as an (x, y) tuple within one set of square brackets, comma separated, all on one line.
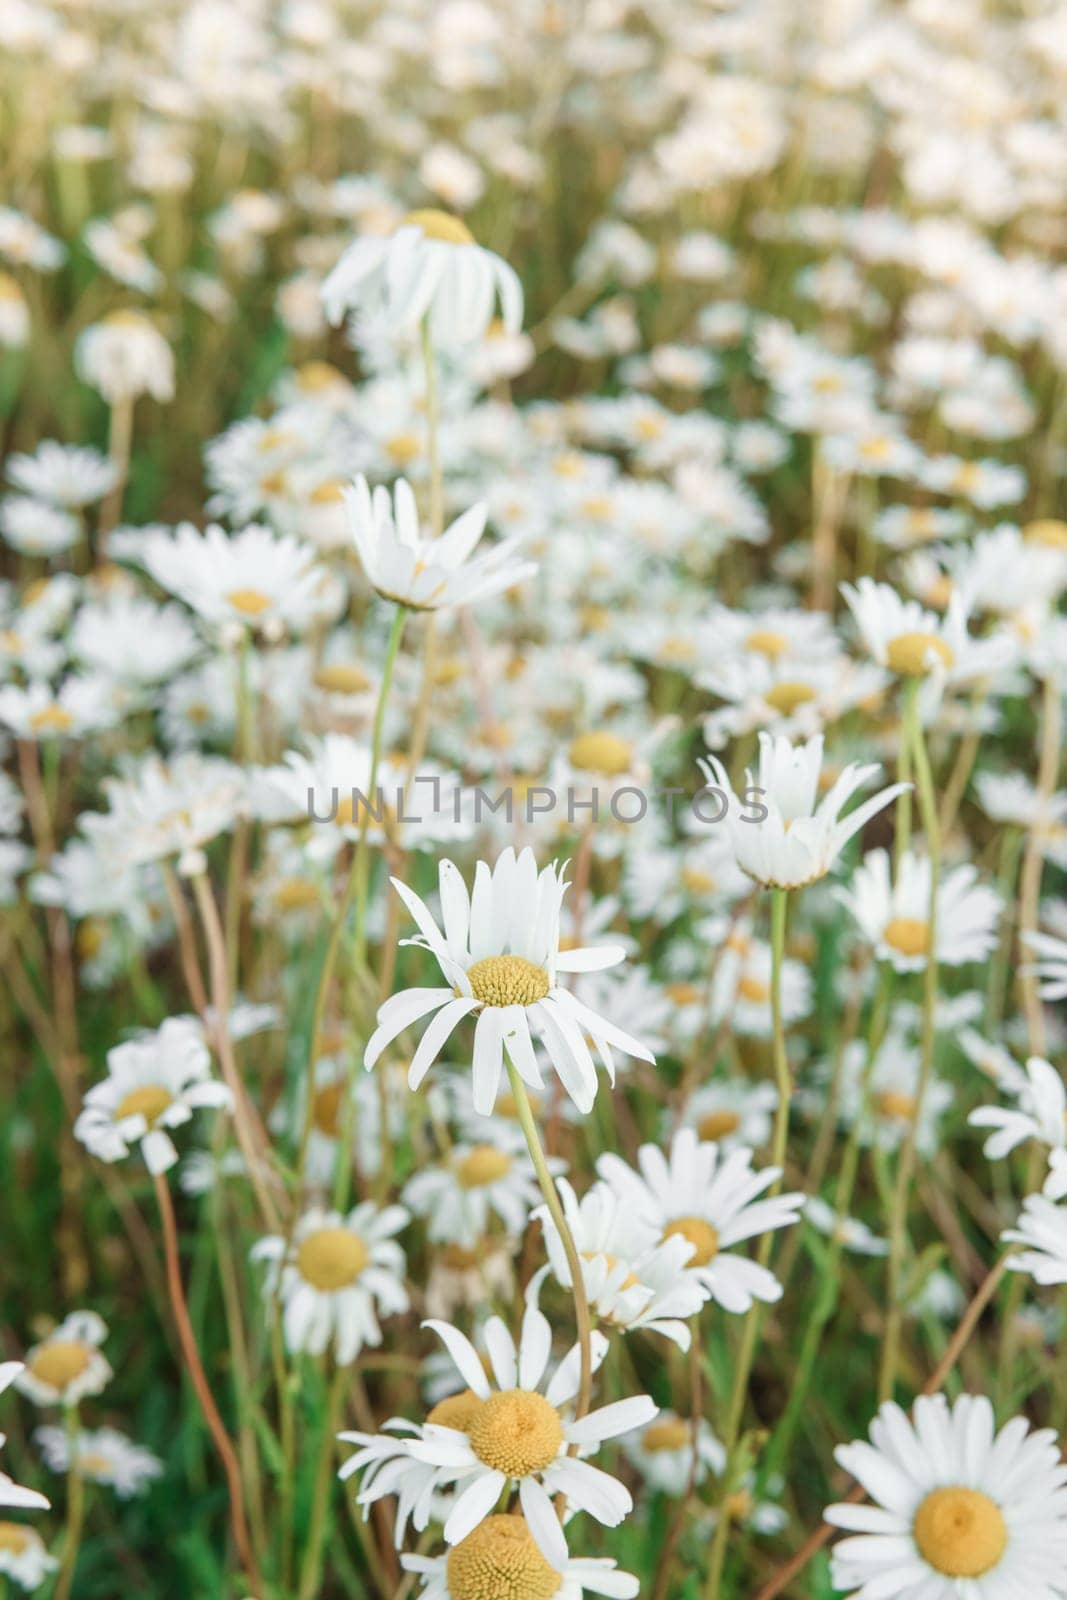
[(533, 859)]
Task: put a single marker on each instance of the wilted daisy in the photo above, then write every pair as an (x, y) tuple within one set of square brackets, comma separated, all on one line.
[(334, 1278), (12, 1494), (960, 1509), (427, 574), (892, 908), (69, 1365), (501, 1558), (429, 267), (709, 1198), (154, 1084), (104, 1455), (801, 836), (500, 956), (519, 1433)]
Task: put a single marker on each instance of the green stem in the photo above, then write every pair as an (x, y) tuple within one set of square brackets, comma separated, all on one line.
[(570, 1249), (906, 1160), (75, 1507), (311, 1568)]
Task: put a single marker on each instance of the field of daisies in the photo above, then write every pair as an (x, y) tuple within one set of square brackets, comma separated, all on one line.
[(533, 855)]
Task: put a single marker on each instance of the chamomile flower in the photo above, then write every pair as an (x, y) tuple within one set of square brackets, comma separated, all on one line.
[(427, 574), (65, 475), (801, 836), (251, 580), (913, 642), (475, 1183), (519, 1432), (1040, 1113), (729, 1113), (37, 528), (663, 1453), (1051, 963), (154, 1084), (629, 1285), (432, 268), (104, 1455), (12, 1494), (335, 1277), (960, 1509), (501, 1560), (711, 1199), (892, 911), (124, 356), (24, 1557), (500, 956), (69, 1365)]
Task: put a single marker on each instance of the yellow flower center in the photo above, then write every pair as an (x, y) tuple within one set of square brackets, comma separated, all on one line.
[(59, 1362), (483, 1165), (10, 291), (673, 1434), (331, 1258), (960, 1532), (717, 1124), (516, 1432), (698, 882), (597, 507), (315, 376), (457, 1411), (894, 1103), (149, 1102), (701, 1235), (326, 1109), (295, 894), (508, 981), (765, 642), (785, 697), (51, 719), (90, 938), (909, 653), (1047, 531), (440, 225), (249, 602), (403, 447), (341, 677), (330, 493), (683, 994), (604, 753), (500, 1561), (631, 1279), (755, 989), (909, 935), (13, 1538)]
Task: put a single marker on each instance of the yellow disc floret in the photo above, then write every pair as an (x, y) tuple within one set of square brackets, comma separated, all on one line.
[(149, 1101), (516, 1432), (439, 225), (910, 936), (331, 1258), (59, 1362), (910, 653), (500, 1561), (603, 753), (456, 1411), (960, 1532), (508, 981), (482, 1165), (701, 1235)]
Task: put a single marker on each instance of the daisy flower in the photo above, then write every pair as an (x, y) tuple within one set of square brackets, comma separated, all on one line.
[(427, 574), (801, 836), (663, 1453), (1042, 1227), (335, 1276), (520, 1434), (892, 915), (628, 1286), (709, 1198), (1040, 1113), (727, 1113), (23, 1555), (912, 642), (104, 1456), (64, 474), (69, 1365), (165, 809), (12, 1494), (500, 956), (960, 1509), (154, 1084), (79, 706), (431, 267), (123, 356), (251, 580), (501, 1558), (476, 1182)]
